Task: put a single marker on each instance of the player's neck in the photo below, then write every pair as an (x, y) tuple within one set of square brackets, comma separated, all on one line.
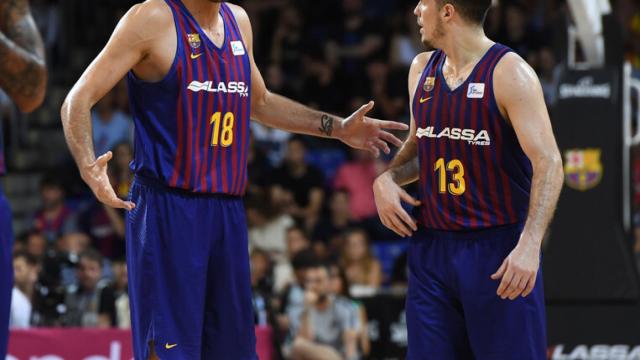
[(205, 11), (465, 47)]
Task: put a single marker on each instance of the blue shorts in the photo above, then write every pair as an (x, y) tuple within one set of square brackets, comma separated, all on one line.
[(6, 272), (189, 281), (453, 311)]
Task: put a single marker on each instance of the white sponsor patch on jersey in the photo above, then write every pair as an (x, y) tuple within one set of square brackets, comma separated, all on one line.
[(475, 91), (237, 48)]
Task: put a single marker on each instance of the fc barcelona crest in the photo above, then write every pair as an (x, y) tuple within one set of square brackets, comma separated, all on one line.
[(582, 168), (429, 83), (194, 40)]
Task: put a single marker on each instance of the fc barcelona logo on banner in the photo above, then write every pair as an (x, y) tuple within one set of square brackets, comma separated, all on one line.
[(582, 168), (194, 40), (429, 83)]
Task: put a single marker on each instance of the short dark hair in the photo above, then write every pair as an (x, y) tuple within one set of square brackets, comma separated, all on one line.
[(92, 255), (472, 10), (304, 259), (28, 258)]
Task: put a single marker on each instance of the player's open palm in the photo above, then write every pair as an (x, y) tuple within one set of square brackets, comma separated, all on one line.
[(388, 196), (362, 132), (518, 272), (95, 175)]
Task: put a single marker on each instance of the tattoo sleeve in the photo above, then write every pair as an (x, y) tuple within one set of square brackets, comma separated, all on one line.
[(404, 167), (22, 69)]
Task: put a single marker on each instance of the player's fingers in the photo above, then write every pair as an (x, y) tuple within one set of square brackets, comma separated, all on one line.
[(381, 145), (402, 214), (372, 149), (504, 283), (518, 286), (391, 125), (498, 274), (408, 198), (103, 159), (530, 285), (364, 109), (389, 224), (400, 226), (390, 138)]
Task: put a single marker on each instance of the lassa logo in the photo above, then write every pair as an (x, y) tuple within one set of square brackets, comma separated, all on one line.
[(232, 87), (595, 352), (480, 138)]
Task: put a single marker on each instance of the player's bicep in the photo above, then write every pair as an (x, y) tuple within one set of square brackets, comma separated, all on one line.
[(519, 94), (126, 48)]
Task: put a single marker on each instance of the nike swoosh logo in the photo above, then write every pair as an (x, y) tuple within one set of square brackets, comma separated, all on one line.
[(168, 347), (422, 101), (195, 56)]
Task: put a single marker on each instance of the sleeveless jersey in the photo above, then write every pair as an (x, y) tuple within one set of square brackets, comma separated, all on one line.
[(473, 172), (2, 161), (192, 127)]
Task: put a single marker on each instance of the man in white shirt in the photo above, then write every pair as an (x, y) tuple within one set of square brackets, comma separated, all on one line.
[(25, 268)]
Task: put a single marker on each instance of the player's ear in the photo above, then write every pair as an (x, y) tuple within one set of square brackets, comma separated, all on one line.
[(447, 11)]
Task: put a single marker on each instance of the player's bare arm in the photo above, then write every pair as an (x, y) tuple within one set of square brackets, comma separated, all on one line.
[(132, 46), (519, 95), (403, 170), (23, 74), (358, 130)]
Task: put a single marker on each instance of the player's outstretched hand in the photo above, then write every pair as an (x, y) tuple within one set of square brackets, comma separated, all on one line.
[(388, 196), (518, 272), (95, 175), (362, 132)]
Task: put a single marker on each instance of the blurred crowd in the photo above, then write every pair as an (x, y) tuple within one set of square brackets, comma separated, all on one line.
[(316, 243)]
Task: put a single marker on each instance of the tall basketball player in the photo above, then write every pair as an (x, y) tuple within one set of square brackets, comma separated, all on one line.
[(23, 76), (193, 87), (489, 173)]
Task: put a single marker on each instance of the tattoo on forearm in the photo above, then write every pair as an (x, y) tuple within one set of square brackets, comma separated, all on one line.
[(404, 167), (22, 70), (326, 124)]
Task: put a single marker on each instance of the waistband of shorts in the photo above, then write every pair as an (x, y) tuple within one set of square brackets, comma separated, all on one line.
[(471, 233), (153, 183)]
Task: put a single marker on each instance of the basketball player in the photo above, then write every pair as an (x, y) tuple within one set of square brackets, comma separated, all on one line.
[(489, 173), (193, 87), (23, 76)]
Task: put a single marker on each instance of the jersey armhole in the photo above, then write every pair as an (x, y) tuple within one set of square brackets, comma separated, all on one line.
[(493, 101), (176, 57)]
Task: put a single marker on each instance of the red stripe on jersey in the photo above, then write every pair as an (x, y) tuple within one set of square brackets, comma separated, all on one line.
[(178, 161), (199, 119)]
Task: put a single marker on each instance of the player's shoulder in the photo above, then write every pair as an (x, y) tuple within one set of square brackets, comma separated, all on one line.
[(239, 13), (420, 61), (151, 13), (512, 67)]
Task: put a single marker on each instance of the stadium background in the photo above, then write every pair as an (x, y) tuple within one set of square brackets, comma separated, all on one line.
[(304, 192)]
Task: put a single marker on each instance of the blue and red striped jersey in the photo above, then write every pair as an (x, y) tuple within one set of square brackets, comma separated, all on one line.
[(192, 127), (473, 172), (2, 163)]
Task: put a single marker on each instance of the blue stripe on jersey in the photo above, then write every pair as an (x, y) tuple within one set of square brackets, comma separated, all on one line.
[(192, 127), (462, 134)]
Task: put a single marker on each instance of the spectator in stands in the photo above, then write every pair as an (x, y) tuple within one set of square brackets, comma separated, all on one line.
[(328, 328), (36, 244), (297, 186), (291, 301), (327, 233), (258, 168), (120, 174), (387, 89), (110, 125), (297, 241), (25, 268), (55, 218), (340, 286), (267, 226), (90, 303), (261, 283), (120, 285), (361, 267), (357, 176)]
